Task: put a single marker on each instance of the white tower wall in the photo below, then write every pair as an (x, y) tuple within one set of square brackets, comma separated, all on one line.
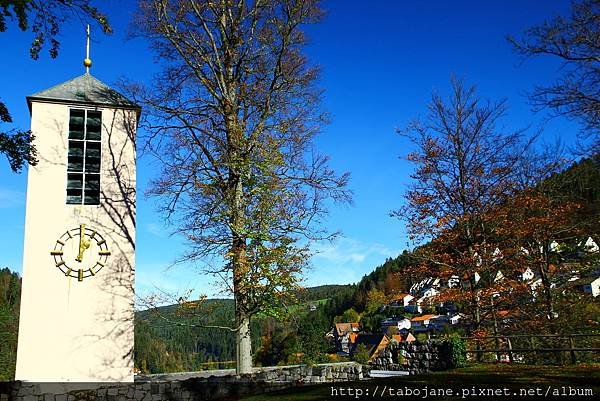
[(71, 330)]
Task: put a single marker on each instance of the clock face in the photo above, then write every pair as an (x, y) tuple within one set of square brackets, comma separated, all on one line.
[(80, 252)]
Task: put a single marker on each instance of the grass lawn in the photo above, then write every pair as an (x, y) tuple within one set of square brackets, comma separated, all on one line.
[(496, 381)]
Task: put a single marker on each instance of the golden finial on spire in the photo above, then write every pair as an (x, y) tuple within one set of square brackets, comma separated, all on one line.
[(87, 62)]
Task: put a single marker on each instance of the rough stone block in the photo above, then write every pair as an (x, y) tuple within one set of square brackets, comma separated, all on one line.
[(26, 390)]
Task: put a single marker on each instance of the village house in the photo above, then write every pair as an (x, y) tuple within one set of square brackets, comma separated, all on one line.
[(453, 281), (404, 337), (400, 322), (554, 247), (497, 255), (344, 335), (440, 321), (588, 285), (576, 249), (374, 343), (590, 245), (401, 300), (429, 292), (526, 274), (414, 306), (488, 278), (429, 282), (421, 323)]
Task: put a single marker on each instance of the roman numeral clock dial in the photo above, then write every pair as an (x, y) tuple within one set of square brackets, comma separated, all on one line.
[(80, 252)]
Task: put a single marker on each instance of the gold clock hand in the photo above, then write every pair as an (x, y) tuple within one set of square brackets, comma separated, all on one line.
[(83, 244)]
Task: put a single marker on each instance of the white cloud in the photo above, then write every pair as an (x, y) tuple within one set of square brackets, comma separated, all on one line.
[(357, 257), (157, 230), (348, 250), (10, 198), (346, 261)]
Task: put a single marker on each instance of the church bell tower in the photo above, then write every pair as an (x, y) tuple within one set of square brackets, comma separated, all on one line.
[(76, 321)]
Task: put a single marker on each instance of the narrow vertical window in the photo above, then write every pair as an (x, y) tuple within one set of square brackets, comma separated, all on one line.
[(83, 164)]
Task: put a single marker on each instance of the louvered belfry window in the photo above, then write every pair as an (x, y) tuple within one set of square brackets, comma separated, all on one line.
[(83, 167)]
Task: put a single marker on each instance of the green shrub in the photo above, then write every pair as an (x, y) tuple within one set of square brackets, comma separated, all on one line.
[(361, 354), (457, 352)]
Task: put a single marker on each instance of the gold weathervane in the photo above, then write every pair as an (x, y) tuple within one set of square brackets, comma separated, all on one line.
[(87, 62)]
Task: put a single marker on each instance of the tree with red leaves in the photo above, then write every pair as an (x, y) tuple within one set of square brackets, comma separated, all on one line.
[(465, 166)]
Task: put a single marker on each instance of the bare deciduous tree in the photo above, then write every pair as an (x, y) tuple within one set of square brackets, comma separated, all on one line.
[(232, 119), (576, 41), (464, 166)]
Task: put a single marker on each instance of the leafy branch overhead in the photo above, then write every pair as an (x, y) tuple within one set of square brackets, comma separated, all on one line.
[(16, 145), (18, 148), (45, 19)]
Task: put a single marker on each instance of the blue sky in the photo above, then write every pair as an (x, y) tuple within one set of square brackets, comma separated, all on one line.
[(380, 62)]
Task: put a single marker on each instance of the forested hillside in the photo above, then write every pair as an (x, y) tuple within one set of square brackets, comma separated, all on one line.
[(175, 338), (10, 295), (581, 183)]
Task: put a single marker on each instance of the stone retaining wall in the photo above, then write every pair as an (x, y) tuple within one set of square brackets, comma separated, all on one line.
[(186, 387), (415, 357)]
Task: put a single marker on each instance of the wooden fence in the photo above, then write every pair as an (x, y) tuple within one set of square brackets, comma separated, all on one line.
[(536, 348)]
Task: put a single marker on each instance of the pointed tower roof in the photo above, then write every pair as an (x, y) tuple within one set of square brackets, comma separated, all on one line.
[(84, 89)]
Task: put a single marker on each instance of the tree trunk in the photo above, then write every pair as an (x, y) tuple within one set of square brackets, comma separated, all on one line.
[(474, 268), (243, 346), (242, 319), (496, 338), (238, 251), (475, 310), (475, 313), (544, 270)]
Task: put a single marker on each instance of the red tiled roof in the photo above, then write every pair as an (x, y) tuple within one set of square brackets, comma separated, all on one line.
[(401, 338), (343, 328), (422, 318)]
